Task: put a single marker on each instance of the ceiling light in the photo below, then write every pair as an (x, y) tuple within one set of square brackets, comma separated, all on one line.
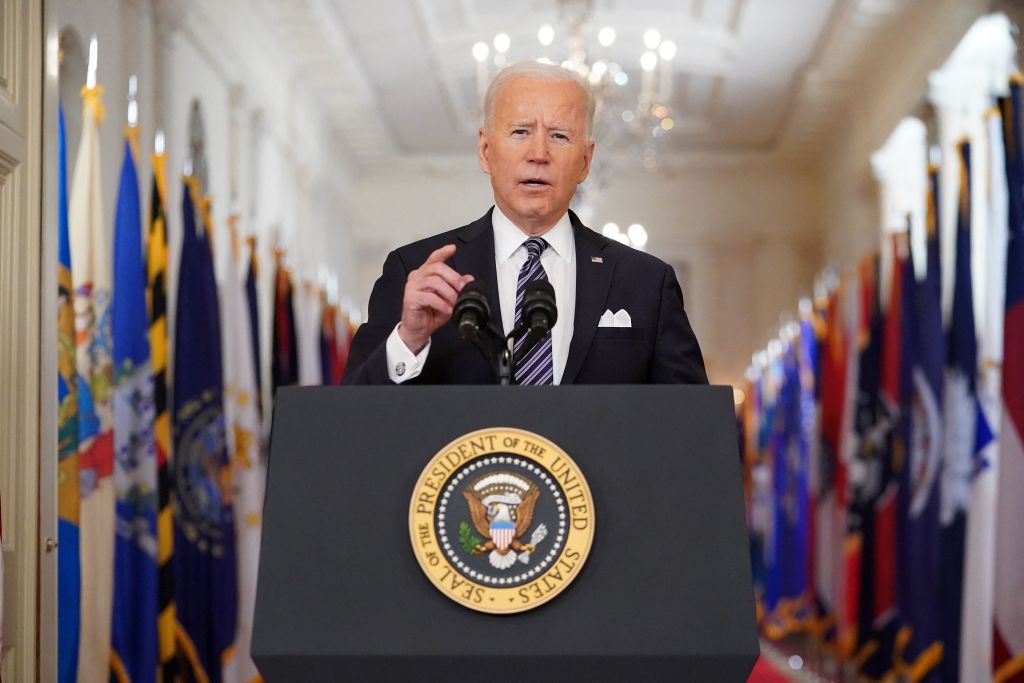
[(502, 42), (610, 230), (667, 50), (651, 38), (546, 35), (606, 36), (480, 51)]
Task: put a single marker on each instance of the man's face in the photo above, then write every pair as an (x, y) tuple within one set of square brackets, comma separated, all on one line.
[(536, 150)]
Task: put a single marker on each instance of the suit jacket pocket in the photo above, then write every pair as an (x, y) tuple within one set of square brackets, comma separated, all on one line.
[(619, 334)]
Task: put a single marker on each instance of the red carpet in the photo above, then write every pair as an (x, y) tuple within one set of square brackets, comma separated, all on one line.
[(765, 672)]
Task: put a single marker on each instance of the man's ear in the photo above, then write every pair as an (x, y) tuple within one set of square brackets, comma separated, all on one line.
[(586, 161), (481, 151)]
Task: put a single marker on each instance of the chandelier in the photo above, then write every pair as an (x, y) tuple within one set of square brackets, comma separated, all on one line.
[(633, 115), (633, 112)]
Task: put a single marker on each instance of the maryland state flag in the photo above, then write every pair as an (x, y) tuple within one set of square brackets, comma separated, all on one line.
[(204, 528), (1008, 635), (91, 276), (156, 292), (69, 580)]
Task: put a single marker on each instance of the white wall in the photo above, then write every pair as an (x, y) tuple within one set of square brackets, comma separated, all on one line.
[(741, 237)]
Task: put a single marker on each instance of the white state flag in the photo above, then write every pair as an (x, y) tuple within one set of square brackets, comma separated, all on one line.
[(90, 241), (245, 439), (308, 323), (979, 548)]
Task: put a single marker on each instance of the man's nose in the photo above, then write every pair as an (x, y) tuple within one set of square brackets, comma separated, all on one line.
[(538, 152)]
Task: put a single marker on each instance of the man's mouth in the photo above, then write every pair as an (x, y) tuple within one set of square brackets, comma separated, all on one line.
[(535, 182)]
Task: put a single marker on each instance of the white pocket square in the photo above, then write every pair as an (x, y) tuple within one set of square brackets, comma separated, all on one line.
[(618, 319)]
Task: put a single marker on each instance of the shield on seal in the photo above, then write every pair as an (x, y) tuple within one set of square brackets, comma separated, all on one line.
[(502, 533)]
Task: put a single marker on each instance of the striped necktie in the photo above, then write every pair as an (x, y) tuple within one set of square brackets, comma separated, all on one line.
[(537, 366)]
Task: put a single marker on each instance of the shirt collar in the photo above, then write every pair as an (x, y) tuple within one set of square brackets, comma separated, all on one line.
[(508, 237)]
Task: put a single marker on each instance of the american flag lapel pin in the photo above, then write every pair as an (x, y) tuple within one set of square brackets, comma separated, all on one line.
[(596, 259)]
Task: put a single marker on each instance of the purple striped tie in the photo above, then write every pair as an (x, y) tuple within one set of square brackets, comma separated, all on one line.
[(537, 367)]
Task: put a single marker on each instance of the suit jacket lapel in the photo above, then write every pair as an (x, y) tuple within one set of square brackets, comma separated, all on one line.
[(593, 280), (474, 255)]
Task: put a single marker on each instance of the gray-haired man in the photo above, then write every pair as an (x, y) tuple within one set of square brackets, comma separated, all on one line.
[(621, 316)]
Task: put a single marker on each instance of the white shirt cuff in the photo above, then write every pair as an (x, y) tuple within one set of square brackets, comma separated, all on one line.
[(403, 364)]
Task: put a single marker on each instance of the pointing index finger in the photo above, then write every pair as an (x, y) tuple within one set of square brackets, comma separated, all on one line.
[(441, 255)]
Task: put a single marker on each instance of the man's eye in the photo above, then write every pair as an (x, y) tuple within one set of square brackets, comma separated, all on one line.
[(519, 131), (560, 136)]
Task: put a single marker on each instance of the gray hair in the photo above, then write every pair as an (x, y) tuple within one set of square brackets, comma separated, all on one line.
[(534, 69)]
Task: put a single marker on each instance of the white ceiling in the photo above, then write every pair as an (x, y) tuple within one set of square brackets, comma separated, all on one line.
[(752, 77)]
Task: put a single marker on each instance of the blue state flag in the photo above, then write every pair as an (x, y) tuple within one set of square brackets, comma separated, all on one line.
[(204, 532), (919, 643), (962, 427), (134, 638), (69, 573)]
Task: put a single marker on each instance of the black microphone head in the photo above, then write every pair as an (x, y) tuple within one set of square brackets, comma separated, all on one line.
[(539, 309), (471, 311)]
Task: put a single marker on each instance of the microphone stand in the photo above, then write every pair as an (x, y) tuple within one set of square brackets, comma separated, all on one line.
[(503, 363)]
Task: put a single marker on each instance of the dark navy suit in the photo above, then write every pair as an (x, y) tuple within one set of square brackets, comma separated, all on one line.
[(659, 348)]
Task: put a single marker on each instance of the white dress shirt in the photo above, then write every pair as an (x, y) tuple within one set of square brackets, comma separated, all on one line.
[(509, 256)]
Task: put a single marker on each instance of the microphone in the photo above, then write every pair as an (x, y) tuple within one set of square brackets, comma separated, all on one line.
[(539, 313), (471, 312)]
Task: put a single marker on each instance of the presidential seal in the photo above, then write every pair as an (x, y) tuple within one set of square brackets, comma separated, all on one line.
[(501, 520)]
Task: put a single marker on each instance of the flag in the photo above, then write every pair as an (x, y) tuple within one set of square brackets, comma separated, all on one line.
[(828, 520), (69, 583), (877, 655), (1008, 626), (793, 490), (91, 276), (248, 466), (156, 291), (285, 360), (252, 301), (919, 647), (961, 410), (308, 326), (134, 640), (204, 533), (977, 616), (866, 472), (343, 340), (329, 359)]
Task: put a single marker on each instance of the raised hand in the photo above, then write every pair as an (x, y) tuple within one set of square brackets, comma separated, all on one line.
[(430, 293)]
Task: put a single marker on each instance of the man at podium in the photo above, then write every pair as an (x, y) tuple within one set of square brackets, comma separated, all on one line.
[(620, 311)]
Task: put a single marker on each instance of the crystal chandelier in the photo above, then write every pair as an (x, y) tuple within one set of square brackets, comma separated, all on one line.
[(633, 111), (633, 114)]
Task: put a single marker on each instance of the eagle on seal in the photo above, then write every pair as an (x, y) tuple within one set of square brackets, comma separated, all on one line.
[(501, 506)]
